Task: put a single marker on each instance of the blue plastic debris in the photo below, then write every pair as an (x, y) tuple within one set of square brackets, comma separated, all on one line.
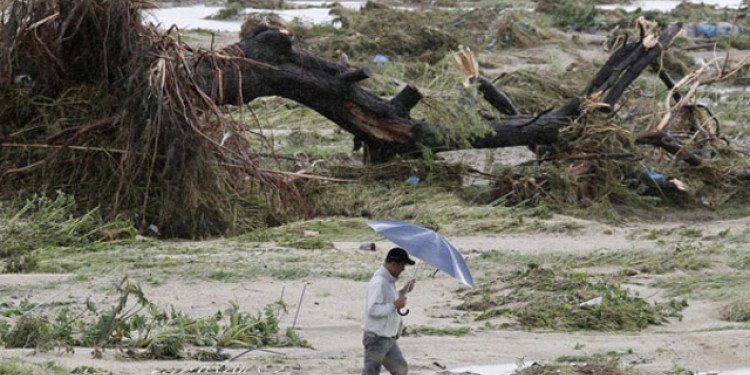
[(710, 31), (525, 27), (204, 222), (380, 59), (649, 175), (412, 180), (706, 30), (454, 24)]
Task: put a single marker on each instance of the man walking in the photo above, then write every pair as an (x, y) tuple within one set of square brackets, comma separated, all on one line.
[(381, 322)]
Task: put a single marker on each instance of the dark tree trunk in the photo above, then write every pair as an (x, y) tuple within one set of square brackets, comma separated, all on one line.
[(266, 63)]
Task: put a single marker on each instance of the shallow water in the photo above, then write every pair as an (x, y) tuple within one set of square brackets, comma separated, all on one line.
[(510, 368), (190, 18), (739, 371), (193, 17), (667, 5), (504, 369)]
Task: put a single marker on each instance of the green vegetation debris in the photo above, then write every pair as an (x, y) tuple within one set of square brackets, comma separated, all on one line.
[(432, 331), (17, 367), (608, 368), (555, 299), (736, 311), (146, 331), (47, 222)]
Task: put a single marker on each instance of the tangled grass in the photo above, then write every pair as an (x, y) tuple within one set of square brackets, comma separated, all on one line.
[(44, 222), (558, 300)]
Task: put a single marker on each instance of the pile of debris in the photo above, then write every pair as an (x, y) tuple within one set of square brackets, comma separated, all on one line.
[(98, 105)]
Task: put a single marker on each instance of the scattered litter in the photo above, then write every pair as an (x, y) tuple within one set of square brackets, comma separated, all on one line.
[(154, 229), (311, 233), (679, 185), (649, 174), (22, 78), (709, 31), (380, 59), (226, 136), (594, 301), (412, 180), (370, 246), (501, 369), (454, 24)]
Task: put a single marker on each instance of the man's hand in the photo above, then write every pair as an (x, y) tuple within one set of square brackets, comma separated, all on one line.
[(408, 287), (400, 302)]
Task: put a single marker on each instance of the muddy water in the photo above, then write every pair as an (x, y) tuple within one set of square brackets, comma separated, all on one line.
[(510, 368), (506, 369), (193, 17), (667, 5)]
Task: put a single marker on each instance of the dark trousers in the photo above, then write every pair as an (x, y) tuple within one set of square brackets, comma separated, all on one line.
[(383, 351)]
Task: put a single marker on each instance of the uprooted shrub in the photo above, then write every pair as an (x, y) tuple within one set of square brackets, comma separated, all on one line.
[(98, 105)]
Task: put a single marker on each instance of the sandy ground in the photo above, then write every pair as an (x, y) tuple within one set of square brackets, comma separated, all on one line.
[(329, 318)]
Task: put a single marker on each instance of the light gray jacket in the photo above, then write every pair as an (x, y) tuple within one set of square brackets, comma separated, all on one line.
[(381, 317)]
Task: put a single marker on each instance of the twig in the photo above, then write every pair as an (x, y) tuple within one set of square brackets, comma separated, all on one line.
[(80, 131), (78, 148), (699, 46), (289, 174), (537, 117), (119, 151), (729, 43)]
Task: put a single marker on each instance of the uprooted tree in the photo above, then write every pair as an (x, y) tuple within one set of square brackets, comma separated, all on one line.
[(98, 104), (385, 127)]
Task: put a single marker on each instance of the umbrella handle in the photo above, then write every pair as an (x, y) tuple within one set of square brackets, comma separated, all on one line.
[(405, 313)]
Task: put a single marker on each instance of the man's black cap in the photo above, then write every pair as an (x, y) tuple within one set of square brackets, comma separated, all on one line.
[(398, 254)]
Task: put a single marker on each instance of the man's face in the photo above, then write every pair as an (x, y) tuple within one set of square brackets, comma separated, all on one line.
[(395, 268)]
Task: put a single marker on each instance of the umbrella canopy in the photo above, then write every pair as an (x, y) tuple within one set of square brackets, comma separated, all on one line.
[(426, 245)]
